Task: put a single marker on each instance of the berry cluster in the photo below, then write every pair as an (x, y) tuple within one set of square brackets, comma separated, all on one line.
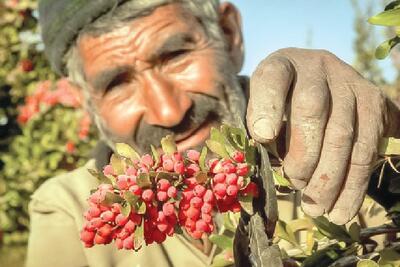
[(151, 197)]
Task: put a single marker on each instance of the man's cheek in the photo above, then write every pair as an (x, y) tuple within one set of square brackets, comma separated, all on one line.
[(120, 123)]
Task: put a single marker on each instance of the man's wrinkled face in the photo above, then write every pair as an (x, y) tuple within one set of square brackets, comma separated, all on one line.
[(160, 74)]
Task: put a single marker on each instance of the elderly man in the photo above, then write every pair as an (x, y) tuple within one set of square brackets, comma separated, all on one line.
[(148, 68)]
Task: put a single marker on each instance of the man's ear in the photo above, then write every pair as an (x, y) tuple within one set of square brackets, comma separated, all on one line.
[(231, 24)]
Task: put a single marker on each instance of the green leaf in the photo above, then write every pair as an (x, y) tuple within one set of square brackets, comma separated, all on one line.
[(220, 260), (250, 152), (201, 177), (168, 145), (222, 241), (246, 202), (126, 151), (126, 209), (118, 164), (140, 207), (131, 198), (202, 159), (367, 263), (389, 256), (354, 231), (217, 148), (279, 180), (383, 50), (285, 232), (386, 18), (112, 198), (389, 146), (156, 156), (393, 5), (138, 237), (331, 230), (143, 180), (100, 176)]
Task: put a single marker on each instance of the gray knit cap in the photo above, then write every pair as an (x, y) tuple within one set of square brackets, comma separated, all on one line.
[(61, 21)]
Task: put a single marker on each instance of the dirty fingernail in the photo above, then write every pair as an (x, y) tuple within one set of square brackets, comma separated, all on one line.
[(263, 130), (339, 216)]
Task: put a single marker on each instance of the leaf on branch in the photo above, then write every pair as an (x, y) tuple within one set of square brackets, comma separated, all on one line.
[(168, 145), (386, 18), (246, 202), (383, 50), (202, 159), (126, 209), (222, 241), (143, 180), (118, 164), (285, 232), (112, 198), (217, 148), (127, 151), (392, 5), (220, 260), (138, 237), (367, 263), (156, 156), (331, 230), (100, 176)]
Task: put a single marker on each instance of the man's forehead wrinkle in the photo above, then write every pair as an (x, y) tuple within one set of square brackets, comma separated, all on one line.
[(101, 80)]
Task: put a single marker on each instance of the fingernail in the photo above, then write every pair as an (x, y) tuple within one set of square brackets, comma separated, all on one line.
[(298, 184), (310, 207), (339, 216), (263, 130)]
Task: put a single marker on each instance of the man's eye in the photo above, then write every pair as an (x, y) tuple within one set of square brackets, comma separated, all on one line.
[(118, 80), (174, 55)]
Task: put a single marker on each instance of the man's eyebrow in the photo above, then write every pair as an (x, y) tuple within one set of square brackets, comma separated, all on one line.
[(172, 43), (105, 77)]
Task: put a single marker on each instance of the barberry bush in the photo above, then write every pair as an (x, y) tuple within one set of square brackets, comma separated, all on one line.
[(43, 130)]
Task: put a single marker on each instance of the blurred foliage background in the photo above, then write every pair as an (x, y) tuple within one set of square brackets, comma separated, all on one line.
[(44, 131)]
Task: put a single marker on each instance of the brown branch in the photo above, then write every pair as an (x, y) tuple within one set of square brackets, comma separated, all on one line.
[(379, 230)]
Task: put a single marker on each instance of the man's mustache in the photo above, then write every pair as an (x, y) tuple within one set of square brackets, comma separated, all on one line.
[(203, 108)]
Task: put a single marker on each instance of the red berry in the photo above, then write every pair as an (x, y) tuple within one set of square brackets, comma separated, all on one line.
[(232, 190), (238, 156), (26, 65), (199, 190), (135, 189), (179, 167), (94, 211), (158, 236), (206, 208), (208, 196), (119, 243), (100, 240), (229, 168), (162, 196), (148, 195), (196, 234), (121, 220), (128, 242), (193, 213), (163, 184), (219, 178), (87, 236), (107, 216), (168, 209), (206, 217), (168, 165), (193, 155), (172, 192), (231, 178), (242, 169), (163, 227), (196, 202), (105, 230), (130, 226), (147, 160), (177, 156), (202, 226), (220, 190)]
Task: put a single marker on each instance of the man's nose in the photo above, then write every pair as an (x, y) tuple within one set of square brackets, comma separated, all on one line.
[(166, 106)]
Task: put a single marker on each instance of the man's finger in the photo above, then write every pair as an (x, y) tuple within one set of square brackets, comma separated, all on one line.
[(325, 184), (269, 86), (307, 120), (363, 157)]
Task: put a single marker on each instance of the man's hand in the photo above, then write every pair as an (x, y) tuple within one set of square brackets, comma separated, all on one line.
[(335, 119)]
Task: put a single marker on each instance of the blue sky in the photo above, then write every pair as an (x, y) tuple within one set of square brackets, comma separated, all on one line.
[(272, 24)]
